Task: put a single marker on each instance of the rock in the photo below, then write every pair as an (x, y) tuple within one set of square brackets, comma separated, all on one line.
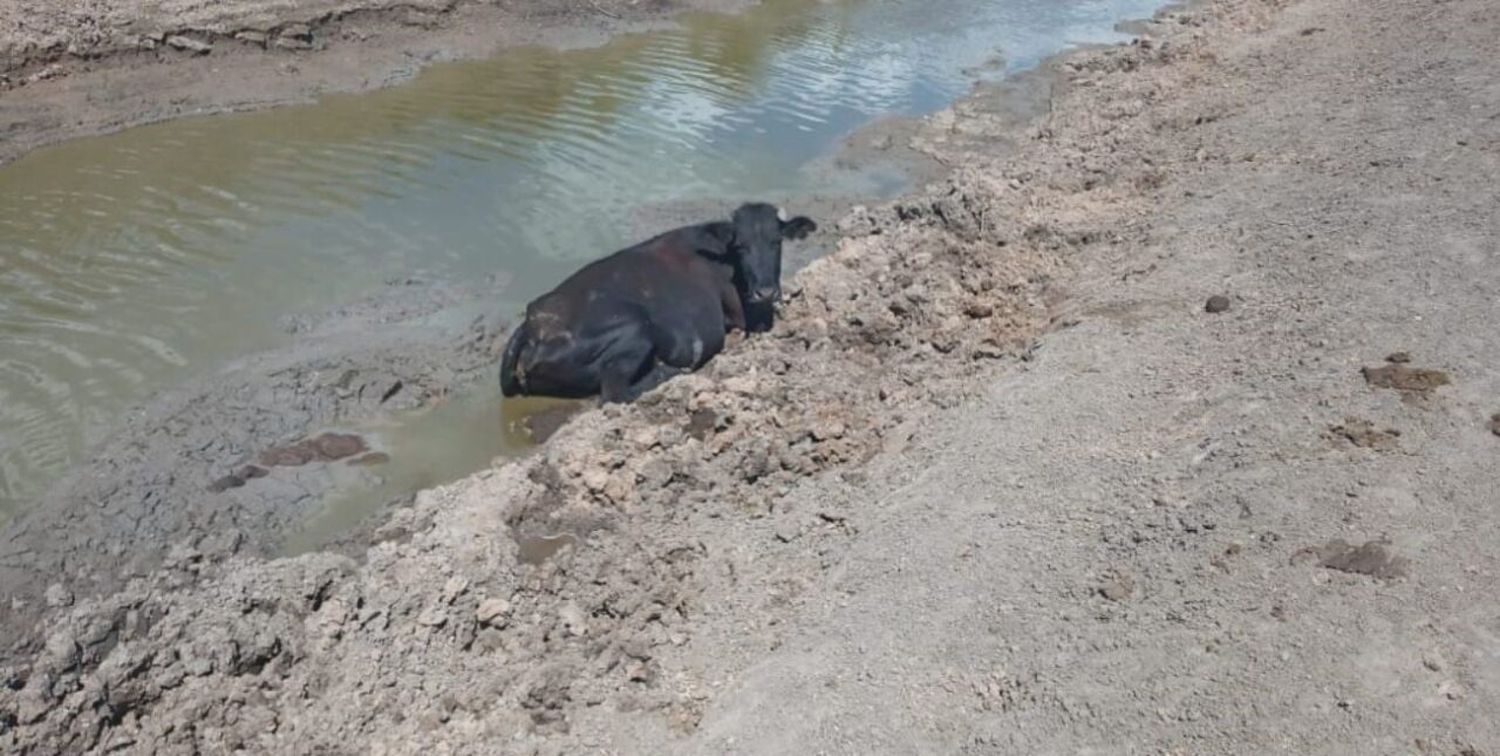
[(701, 423), (297, 44), (1414, 381), (253, 37), (454, 588), (788, 531), (1398, 357), (58, 596), (978, 310), (595, 479), (432, 616), (1216, 304), (1364, 434), (493, 612), (1495, 423), (742, 384), (1372, 559), (1118, 588), (828, 428), (188, 44), (655, 474), (639, 671), (573, 619)]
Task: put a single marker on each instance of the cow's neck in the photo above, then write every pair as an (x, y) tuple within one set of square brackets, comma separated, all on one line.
[(715, 246)]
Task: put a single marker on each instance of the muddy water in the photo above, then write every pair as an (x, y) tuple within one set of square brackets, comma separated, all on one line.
[(131, 262)]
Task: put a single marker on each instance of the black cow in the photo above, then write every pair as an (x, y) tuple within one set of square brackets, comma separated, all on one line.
[(625, 323)]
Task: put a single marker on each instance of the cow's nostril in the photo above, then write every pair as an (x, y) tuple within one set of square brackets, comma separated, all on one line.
[(767, 295)]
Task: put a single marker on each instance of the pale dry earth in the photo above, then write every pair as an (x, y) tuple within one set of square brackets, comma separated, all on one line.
[(999, 482)]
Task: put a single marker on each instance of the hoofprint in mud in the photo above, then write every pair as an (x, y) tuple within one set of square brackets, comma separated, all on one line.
[(904, 523)]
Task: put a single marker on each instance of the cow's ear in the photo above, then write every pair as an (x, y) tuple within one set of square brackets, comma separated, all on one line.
[(798, 227)]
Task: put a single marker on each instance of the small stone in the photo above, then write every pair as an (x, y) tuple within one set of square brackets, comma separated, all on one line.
[(741, 384), (188, 44), (454, 588), (1399, 358), (252, 37), (432, 616), (639, 671), (824, 430), (492, 612), (573, 619), (595, 479), (787, 532), (297, 31), (1216, 304), (1118, 588), (58, 596), (297, 44), (978, 310), (198, 666), (1495, 423)]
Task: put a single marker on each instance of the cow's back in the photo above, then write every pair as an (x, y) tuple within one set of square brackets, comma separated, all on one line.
[(659, 278)]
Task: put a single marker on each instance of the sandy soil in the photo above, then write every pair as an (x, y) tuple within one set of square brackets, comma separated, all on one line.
[(1003, 480), (71, 68)]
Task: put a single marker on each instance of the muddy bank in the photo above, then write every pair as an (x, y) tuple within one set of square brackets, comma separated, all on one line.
[(921, 297), (998, 482), (233, 462), (70, 69)]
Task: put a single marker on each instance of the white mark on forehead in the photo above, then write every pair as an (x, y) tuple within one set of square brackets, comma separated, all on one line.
[(781, 214)]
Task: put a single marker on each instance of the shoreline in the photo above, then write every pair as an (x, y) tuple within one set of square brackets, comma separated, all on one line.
[(999, 481), (245, 55)]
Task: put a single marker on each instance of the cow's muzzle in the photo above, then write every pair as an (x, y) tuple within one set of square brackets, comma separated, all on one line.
[(765, 295)]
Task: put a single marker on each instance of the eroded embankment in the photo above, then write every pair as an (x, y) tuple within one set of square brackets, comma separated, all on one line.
[(443, 638)]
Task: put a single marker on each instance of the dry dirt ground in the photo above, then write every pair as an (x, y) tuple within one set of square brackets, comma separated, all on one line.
[(71, 68), (1000, 482)]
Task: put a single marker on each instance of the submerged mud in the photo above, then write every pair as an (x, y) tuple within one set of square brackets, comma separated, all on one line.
[(236, 461)]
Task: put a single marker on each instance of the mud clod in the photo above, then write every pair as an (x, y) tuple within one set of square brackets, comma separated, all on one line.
[(1372, 559), (1364, 434), (1407, 380), (327, 447), (1118, 587), (1216, 304)]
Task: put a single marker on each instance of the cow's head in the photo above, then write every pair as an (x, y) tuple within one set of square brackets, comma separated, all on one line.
[(759, 229)]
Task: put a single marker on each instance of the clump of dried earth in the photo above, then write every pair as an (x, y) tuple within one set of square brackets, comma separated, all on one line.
[(996, 483)]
